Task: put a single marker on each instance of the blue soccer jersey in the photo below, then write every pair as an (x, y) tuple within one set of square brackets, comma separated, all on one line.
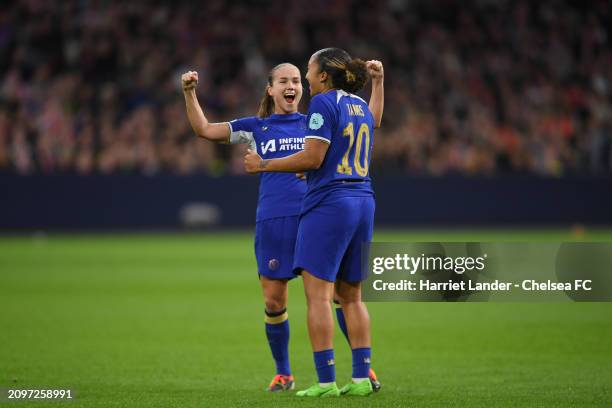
[(337, 217), (280, 194), (345, 122)]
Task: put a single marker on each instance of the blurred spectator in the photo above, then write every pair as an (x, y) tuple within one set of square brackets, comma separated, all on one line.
[(479, 88)]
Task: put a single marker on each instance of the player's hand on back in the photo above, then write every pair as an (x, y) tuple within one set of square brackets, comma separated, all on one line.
[(190, 80), (375, 69), (252, 162)]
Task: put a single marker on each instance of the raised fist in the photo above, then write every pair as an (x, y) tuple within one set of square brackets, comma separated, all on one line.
[(190, 80), (375, 69)]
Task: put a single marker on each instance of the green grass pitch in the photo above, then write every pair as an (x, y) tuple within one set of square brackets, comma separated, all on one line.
[(171, 320)]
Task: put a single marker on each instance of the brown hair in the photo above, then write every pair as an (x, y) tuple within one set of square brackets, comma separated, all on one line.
[(347, 73), (266, 105)]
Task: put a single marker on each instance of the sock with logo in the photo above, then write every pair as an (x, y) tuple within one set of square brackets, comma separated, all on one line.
[(277, 332), (325, 365), (361, 363)]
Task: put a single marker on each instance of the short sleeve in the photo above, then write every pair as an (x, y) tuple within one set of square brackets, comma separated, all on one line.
[(241, 130), (320, 119)]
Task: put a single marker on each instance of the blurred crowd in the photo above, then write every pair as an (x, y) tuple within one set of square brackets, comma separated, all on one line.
[(472, 87)]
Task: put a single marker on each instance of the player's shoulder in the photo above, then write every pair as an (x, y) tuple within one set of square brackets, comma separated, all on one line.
[(248, 123), (247, 119), (340, 94)]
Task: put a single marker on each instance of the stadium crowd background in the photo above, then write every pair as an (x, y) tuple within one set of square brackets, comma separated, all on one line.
[(478, 88)]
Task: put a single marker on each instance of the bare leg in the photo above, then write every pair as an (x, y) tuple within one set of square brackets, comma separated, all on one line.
[(355, 313), (319, 294), (275, 294)]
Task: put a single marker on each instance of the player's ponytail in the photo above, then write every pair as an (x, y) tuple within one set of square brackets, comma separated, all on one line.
[(266, 105), (356, 74), (346, 73)]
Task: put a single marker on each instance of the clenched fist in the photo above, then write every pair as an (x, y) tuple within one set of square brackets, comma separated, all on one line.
[(253, 163), (190, 80), (375, 69)]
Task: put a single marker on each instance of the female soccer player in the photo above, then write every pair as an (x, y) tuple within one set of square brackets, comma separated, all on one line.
[(278, 131), (337, 213)]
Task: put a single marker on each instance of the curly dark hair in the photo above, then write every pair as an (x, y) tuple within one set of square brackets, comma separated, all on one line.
[(346, 73)]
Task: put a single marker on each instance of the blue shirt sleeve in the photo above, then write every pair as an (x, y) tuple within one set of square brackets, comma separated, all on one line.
[(241, 130), (321, 119)]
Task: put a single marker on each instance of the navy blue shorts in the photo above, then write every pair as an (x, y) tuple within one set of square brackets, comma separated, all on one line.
[(274, 246), (331, 238)]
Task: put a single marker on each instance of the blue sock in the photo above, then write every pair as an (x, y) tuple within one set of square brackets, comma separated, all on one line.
[(342, 323), (325, 365), (361, 362), (277, 331)]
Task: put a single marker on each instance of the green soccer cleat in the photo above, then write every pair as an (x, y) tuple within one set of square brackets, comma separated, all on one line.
[(363, 389), (318, 391)]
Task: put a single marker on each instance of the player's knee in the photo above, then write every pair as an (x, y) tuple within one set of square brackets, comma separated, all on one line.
[(347, 293), (275, 304), (337, 299), (348, 299)]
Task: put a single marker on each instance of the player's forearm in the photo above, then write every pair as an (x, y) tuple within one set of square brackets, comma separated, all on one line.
[(196, 117), (377, 101), (295, 163), (198, 121)]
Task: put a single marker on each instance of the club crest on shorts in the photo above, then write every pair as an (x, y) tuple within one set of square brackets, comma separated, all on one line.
[(273, 264), (316, 121)]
